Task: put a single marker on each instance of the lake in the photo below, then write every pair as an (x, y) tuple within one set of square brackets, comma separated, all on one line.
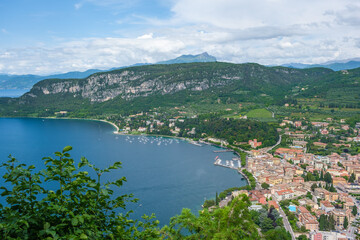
[(166, 174)]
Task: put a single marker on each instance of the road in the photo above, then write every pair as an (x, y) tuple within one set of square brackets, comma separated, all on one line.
[(350, 232), (286, 222), (267, 149)]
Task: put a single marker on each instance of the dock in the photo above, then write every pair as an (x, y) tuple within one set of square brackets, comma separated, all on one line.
[(233, 164), (220, 151)]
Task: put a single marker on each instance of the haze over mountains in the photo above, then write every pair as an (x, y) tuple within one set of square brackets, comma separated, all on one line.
[(27, 81), (333, 65), (140, 88)]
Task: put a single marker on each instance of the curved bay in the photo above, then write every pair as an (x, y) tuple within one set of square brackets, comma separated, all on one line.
[(166, 174)]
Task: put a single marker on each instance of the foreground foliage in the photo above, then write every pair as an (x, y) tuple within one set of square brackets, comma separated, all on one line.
[(231, 222), (80, 208)]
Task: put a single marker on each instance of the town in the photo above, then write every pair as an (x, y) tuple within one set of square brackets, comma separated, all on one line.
[(310, 176)]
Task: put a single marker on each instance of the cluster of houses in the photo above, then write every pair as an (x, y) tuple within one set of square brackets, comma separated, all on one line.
[(283, 171), (144, 122)]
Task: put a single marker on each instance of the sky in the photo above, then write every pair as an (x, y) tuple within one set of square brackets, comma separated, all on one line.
[(50, 36)]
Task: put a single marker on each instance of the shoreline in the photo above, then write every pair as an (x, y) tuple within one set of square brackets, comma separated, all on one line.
[(83, 119), (144, 134)]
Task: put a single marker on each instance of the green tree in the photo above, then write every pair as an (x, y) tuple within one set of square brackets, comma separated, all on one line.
[(328, 178), (303, 229), (331, 223), (332, 188), (231, 222), (302, 237), (313, 187), (324, 223), (209, 203), (308, 195), (266, 225), (354, 210), (346, 222), (279, 233), (81, 208), (265, 185), (352, 178)]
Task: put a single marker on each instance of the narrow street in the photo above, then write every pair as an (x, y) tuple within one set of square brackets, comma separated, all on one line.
[(286, 222)]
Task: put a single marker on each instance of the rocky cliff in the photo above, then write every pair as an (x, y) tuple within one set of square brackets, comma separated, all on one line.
[(144, 81)]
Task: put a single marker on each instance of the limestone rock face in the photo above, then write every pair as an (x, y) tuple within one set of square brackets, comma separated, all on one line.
[(128, 84), (133, 82)]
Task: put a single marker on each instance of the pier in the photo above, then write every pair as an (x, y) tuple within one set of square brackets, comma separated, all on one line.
[(230, 164), (220, 151), (233, 164)]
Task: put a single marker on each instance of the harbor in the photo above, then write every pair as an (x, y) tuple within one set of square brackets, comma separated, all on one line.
[(235, 164)]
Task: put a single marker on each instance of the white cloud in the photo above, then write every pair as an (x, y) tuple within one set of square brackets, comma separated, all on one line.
[(89, 53), (263, 31), (78, 6), (146, 36), (242, 14)]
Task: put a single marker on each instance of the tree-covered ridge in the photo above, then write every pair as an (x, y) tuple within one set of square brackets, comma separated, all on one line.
[(233, 130), (144, 87)]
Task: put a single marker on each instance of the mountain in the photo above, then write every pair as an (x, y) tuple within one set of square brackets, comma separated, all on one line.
[(150, 86), (333, 65), (27, 81), (203, 57)]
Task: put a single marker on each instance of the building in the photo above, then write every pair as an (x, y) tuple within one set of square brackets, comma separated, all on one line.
[(339, 217), (321, 235), (298, 180), (254, 143), (326, 206), (273, 203), (319, 144), (339, 180), (308, 221), (322, 193), (284, 194)]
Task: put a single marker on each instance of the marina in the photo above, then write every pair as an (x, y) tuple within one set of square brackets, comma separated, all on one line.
[(233, 164)]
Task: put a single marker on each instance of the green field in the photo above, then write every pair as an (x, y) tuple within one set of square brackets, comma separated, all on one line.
[(259, 113)]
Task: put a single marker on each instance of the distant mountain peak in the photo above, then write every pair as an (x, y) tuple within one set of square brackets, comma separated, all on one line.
[(27, 81), (202, 57), (335, 65)]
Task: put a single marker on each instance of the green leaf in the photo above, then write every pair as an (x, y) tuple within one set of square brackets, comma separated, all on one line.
[(105, 192), (81, 219), (74, 221), (46, 226), (83, 236), (67, 148)]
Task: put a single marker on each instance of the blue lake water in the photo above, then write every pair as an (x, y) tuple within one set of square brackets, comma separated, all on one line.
[(166, 174)]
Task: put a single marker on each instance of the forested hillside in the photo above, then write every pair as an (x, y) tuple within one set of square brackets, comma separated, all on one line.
[(141, 88)]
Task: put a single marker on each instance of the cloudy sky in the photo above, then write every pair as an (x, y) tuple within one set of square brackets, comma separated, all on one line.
[(53, 36)]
